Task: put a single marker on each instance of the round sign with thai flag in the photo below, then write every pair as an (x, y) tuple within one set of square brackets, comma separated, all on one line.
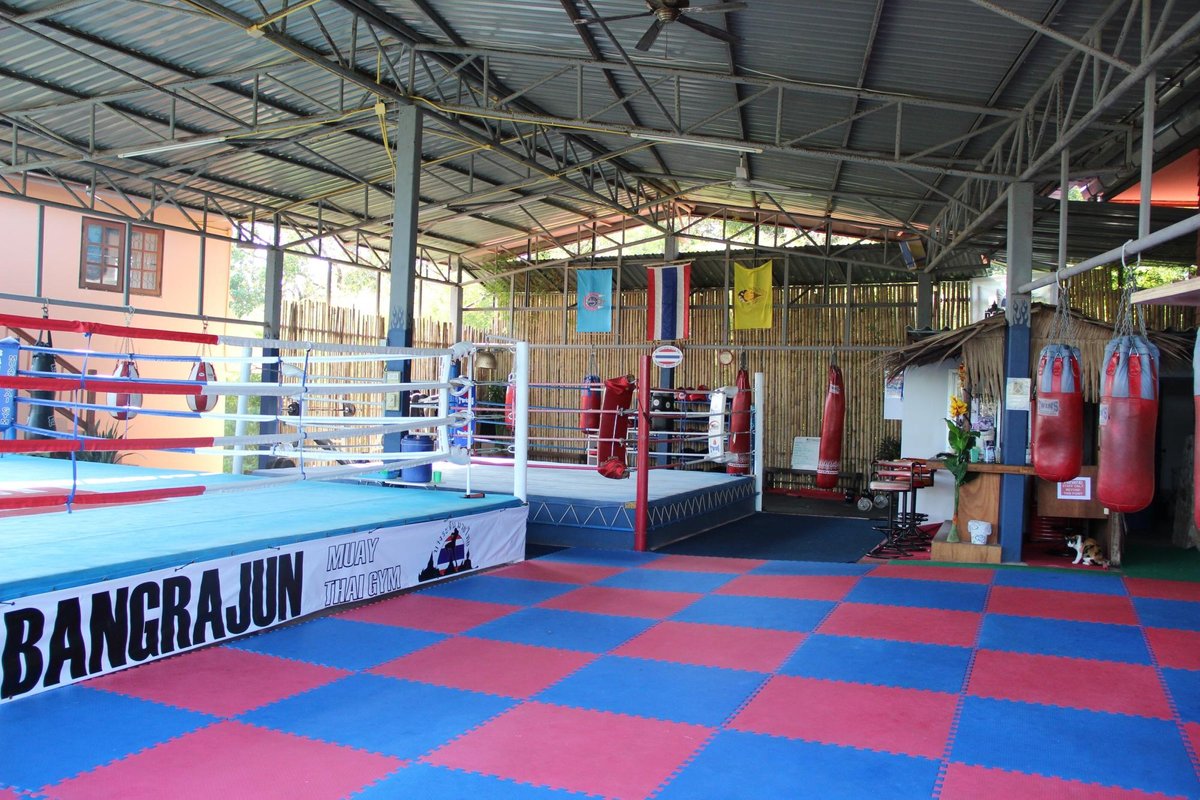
[(668, 356)]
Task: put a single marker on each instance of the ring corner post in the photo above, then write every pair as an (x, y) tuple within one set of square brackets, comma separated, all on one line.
[(759, 436), (10, 352), (521, 418), (642, 504)]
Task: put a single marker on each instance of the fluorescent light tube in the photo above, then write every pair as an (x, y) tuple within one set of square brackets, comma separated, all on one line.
[(736, 148), (164, 147)]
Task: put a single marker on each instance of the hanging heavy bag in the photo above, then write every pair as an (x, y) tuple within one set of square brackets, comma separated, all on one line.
[(662, 402), (510, 401), (202, 372), (41, 416), (610, 444), (129, 402), (833, 423), (739, 426), (1128, 417), (589, 404), (1057, 441)]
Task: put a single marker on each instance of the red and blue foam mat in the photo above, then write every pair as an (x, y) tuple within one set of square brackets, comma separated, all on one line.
[(624, 675)]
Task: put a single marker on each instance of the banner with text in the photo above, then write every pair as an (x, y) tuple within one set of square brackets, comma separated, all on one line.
[(64, 636)]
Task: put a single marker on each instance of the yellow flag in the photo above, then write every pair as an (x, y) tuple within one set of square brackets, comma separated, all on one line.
[(751, 297)]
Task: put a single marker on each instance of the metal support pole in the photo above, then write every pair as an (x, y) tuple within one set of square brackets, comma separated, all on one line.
[(1148, 104), (641, 523), (126, 260), (203, 262), (1014, 489), (403, 256), (924, 300), (40, 256), (521, 417), (456, 292), (1063, 205), (759, 420)]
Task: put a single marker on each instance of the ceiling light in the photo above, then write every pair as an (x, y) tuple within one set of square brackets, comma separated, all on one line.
[(163, 147), (706, 143)]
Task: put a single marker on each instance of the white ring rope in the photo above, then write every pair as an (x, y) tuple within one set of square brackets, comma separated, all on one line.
[(306, 436)]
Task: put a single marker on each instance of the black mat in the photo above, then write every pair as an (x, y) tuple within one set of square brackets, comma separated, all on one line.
[(784, 537)]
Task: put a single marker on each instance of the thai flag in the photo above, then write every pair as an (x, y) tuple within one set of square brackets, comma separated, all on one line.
[(667, 303)]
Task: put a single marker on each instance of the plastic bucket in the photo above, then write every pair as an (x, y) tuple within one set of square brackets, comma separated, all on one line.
[(422, 473)]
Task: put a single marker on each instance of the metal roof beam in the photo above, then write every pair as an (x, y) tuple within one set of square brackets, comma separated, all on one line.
[(354, 76), (938, 166), (411, 37), (958, 229), (1062, 38), (665, 68), (610, 79)]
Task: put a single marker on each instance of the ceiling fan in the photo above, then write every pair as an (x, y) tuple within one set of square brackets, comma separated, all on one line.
[(665, 11), (741, 180)]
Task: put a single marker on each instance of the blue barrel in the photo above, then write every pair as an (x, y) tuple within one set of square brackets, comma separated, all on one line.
[(422, 473)]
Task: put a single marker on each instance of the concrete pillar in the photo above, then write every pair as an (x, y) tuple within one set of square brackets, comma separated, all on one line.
[(1014, 489), (407, 143)]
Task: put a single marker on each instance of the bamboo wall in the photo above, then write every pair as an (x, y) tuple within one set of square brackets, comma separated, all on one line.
[(879, 315), (1093, 294)]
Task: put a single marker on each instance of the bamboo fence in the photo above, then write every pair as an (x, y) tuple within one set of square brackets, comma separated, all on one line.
[(830, 317)]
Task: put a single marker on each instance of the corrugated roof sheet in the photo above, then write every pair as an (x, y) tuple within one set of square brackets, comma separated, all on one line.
[(945, 49)]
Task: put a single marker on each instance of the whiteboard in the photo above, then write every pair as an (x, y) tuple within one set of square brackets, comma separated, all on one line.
[(804, 452)]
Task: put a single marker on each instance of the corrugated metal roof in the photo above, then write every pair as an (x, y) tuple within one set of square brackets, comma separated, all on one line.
[(935, 49)]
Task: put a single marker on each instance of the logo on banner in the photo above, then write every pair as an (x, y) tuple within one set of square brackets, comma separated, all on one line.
[(451, 555), (593, 301)]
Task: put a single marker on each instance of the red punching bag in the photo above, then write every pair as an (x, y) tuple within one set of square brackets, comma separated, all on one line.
[(510, 401), (589, 404), (610, 444), (1128, 417), (833, 423), (126, 368), (202, 372), (739, 427), (1057, 440)]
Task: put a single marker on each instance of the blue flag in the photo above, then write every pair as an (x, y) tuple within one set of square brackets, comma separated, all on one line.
[(593, 290)]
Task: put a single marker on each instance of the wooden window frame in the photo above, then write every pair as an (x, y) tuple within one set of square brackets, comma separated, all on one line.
[(122, 258)]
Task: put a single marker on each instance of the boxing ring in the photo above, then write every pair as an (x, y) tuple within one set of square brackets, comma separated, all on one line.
[(638, 467), (106, 565)]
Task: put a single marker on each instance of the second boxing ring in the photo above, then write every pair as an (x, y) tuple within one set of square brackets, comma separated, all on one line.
[(638, 467)]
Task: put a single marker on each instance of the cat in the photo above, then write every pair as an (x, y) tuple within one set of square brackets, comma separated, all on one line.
[(1086, 551)]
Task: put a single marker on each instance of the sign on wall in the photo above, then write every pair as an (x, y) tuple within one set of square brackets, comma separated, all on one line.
[(805, 452)]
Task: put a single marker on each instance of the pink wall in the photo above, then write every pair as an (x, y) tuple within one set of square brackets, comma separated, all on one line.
[(180, 281)]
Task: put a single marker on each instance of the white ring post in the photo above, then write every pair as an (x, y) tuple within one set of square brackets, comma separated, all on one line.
[(757, 420), (521, 418), (443, 432), (243, 407)]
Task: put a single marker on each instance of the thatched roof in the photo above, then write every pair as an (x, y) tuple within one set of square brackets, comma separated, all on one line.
[(981, 347)]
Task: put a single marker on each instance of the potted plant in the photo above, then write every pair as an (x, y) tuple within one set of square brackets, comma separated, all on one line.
[(962, 439)]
